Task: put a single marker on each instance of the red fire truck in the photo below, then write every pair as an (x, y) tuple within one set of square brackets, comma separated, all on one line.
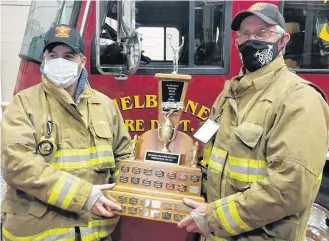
[(127, 44)]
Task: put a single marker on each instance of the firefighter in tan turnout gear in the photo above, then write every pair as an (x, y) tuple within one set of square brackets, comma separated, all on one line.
[(270, 142), (60, 142)]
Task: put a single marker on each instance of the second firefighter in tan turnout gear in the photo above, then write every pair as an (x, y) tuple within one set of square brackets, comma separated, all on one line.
[(268, 154), (61, 140)]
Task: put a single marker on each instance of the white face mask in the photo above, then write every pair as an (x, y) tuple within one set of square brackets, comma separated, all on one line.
[(61, 72)]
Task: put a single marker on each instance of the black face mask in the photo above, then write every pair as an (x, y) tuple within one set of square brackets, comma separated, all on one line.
[(256, 54)]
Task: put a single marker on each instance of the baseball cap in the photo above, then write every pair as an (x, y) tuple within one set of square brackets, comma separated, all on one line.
[(268, 12), (64, 34)]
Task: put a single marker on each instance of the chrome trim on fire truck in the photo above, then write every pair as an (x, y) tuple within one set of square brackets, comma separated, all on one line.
[(85, 17), (97, 40)]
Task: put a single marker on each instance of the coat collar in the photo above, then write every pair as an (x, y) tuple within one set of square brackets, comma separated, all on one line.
[(62, 96), (246, 83)]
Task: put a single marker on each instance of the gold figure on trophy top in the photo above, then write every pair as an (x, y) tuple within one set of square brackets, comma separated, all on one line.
[(167, 132), (133, 144), (176, 51), (195, 149)]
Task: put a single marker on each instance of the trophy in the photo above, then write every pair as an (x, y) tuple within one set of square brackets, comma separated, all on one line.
[(167, 132), (176, 51), (195, 149), (133, 144), (163, 168)]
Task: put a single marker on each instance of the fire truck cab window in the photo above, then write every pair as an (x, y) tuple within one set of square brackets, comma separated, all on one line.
[(200, 23), (42, 16), (308, 25), (153, 42)]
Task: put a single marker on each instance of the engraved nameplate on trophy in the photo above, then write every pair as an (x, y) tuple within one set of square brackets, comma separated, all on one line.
[(171, 95), (164, 157)]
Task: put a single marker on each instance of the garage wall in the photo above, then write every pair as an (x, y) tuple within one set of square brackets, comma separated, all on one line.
[(13, 19)]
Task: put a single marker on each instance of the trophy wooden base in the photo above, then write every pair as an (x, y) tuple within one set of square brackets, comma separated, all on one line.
[(152, 207), (156, 191)]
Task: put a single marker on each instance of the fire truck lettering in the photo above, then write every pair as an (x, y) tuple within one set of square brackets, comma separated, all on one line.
[(139, 125), (154, 124), (126, 103), (203, 113), (191, 105), (135, 125), (137, 102), (151, 101), (185, 124), (130, 125)]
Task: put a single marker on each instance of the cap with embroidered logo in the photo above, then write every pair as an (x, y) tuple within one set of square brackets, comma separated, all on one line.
[(268, 12), (64, 34)]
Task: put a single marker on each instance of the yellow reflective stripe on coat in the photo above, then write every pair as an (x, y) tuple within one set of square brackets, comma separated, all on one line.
[(98, 229), (60, 234), (65, 188), (83, 158), (214, 238), (247, 170), (231, 220), (217, 159)]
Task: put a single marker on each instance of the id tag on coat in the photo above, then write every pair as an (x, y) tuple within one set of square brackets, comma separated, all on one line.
[(206, 131)]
